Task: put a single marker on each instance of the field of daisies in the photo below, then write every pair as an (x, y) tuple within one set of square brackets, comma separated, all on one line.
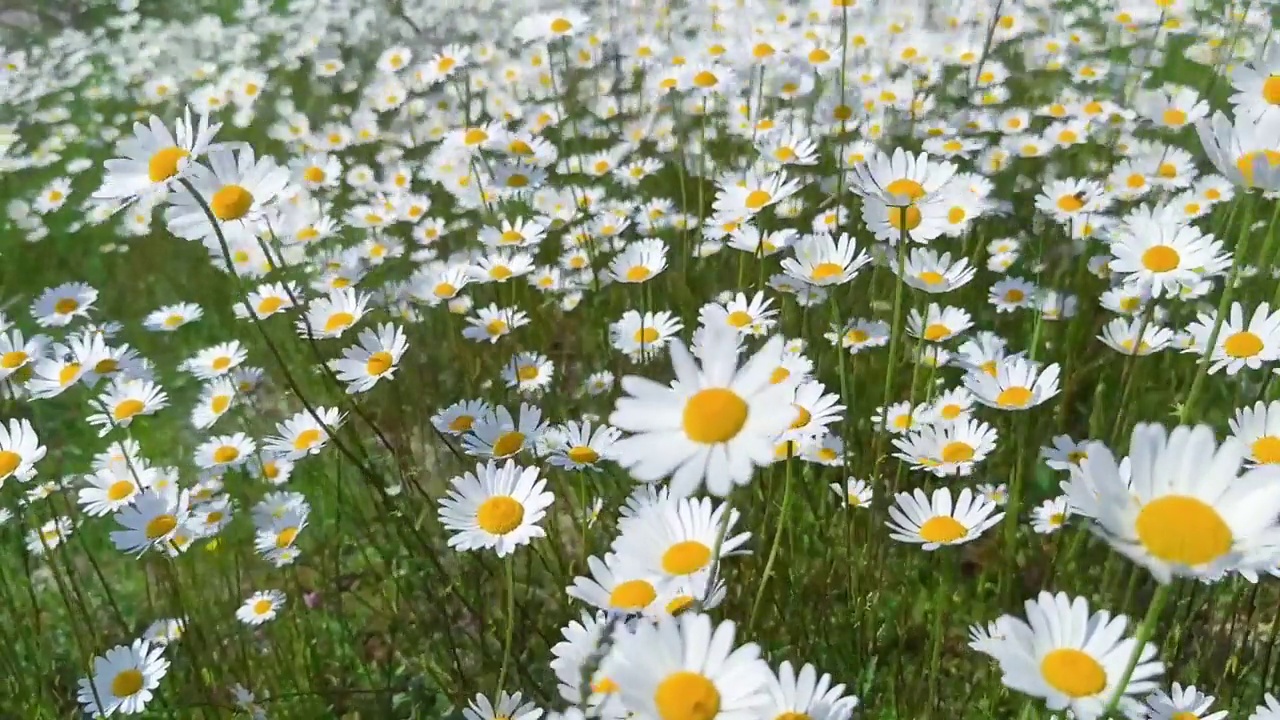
[(679, 360)]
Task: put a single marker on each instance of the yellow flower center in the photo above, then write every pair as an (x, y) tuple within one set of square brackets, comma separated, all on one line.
[(12, 359), (164, 163), (66, 306), (496, 327), (126, 683), (462, 423), (757, 199), (583, 455), (378, 363), (262, 607), (1266, 449), (905, 186), (632, 595), (1014, 397), (638, 273), (646, 336), (127, 409), (826, 271), (339, 321), (1073, 673), (956, 452), (119, 490), (818, 56), (160, 525), (803, 417), (685, 695), (1245, 163), (705, 79), (739, 318), (1271, 89), (314, 174), (226, 454), (908, 220), (508, 443), (286, 537), (942, 529), (306, 439), (231, 202), (69, 374), (9, 462), (714, 415), (1243, 344), (685, 557), (561, 26), (1184, 530), (1070, 203), (936, 332)]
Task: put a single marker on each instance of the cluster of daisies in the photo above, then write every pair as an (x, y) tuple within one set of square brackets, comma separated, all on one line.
[(514, 181)]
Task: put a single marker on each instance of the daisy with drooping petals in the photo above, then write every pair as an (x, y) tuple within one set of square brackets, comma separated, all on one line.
[(934, 522), (715, 423), (676, 539), (1186, 510), (172, 317), (124, 679), (686, 667), (901, 179), (154, 519), (124, 400), (1071, 659), (947, 449), (824, 260), (925, 270), (331, 316), (1244, 151), (583, 446), (496, 508), (619, 585), (938, 324)]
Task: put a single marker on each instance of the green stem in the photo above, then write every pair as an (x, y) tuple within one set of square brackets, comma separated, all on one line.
[(1145, 631), (777, 540), (511, 623)]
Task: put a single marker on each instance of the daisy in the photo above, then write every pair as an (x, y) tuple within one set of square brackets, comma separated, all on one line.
[(1185, 510), (938, 324), (153, 159), (58, 306), (1239, 344), (172, 317), (496, 508), (501, 266), (1122, 335), (583, 446), (715, 423), (111, 488), (1071, 659), (807, 695), (639, 262), (901, 179), (492, 323), (953, 405), (268, 299), (948, 449), (17, 353), (124, 400), (859, 334), (236, 188), (49, 535), (1012, 293), (824, 260), (124, 679), (508, 707), (1258, 428), (1049, 516), (925, 270), (684, 667), (20, 450), (855, 493), (215, 361), (1065, 453), (753, 317), (1182, 704), (216, 398), (331, 316), (1159, 256), (1244, 150), (934, 522), (225, 451), (375, 358), (1257, 86), (641, 337), (304, 434), (498, 435), (260, 607), (754, 193), (153, 519), (528, 372), (619, 585), (681, 537), (1018, 384), (460, 417)]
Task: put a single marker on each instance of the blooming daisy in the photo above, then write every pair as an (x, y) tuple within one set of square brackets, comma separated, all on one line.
[(260, 607), (172, 317), (124, 679), (154, 158), (58, 306), (934, 522), (496, 508), (824, 260), (855, 493), (583, 446), (236, 187), (304, 434), (154, 518), (714, 423), (20, 450), (1018, 384), (375, 358), (1049, 516)]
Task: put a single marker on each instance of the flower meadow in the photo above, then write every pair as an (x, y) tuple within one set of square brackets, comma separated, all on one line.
[(705, 360)]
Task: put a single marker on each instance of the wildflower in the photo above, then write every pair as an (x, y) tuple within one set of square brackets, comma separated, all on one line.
[(934, 522), (123, 680), (495, 508)]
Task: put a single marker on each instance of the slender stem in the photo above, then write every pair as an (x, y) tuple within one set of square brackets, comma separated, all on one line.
[(1145, 630), (777, 540), (511, 622)]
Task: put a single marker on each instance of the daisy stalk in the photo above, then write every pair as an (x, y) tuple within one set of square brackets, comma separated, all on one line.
[(777, 535), (1145, 630)]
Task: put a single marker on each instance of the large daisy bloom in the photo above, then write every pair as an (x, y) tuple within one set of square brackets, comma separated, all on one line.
[(934, 521), (1245, 150), (1186, 510), (123, 680), (154, 158), (496, 508), (714, 423), (1071, 659), (236, 187), (683, 668)]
